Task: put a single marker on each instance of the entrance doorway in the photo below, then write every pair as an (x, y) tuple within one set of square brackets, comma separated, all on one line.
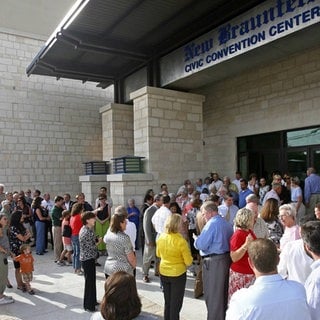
[(287, 151)]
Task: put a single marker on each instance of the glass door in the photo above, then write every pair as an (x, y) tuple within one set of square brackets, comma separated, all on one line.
[(315, 158), (297, 162)]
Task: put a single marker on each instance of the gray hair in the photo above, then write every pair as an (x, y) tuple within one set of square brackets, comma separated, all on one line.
[(289, 209), (252, 198)]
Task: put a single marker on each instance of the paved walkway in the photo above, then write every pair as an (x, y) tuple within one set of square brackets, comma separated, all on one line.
[(59, 294)]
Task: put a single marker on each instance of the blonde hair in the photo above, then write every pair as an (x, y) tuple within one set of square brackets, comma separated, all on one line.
[(243, 218), (172, 223)]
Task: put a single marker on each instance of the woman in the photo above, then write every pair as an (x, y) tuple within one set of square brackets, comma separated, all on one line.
[(121, 256), (296, 198), (88, 255), (4, 253), (147, 202), (269, 213), (40, 219), (287, 214), (17, 236), (241, 274), (183, 229), (76, 225), (317, 211), (121, 300), (103, 214), (26, 213), (175, 255)]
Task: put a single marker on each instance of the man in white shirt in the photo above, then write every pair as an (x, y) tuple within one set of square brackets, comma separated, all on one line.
[(47, 203), (161, 215), (271, 296), (310, 233)]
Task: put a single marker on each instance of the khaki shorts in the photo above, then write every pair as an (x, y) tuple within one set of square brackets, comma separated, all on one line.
[(26, 277)]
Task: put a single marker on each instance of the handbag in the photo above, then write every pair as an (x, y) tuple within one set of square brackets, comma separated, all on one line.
[(67, 231)]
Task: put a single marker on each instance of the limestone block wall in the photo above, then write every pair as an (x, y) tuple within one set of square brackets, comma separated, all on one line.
[(168, 131), (48, 128), (273, 97), (130, 185), (117, 130)]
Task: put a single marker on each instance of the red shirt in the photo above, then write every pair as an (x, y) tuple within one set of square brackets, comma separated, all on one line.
[(76, 224), (26, 262), (236, 241)]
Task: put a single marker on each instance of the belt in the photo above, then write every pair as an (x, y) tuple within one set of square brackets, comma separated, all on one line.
[(214, 254)]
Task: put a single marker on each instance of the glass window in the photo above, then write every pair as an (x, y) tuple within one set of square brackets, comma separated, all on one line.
[(304, 137)]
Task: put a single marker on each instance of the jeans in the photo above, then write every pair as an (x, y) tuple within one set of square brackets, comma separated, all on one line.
[(76, 252), (41, 233)]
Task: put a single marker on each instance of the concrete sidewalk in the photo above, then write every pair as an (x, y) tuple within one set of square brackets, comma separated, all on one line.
[(59, 294)]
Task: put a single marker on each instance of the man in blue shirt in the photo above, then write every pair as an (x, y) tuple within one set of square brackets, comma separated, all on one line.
[(243, 193), (311, 190), (213, 243), (271, 296)]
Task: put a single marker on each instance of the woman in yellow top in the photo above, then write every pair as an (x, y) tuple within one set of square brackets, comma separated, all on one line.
[(175, 255)]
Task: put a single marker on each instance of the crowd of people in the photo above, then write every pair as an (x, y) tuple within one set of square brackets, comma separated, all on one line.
[(215, 228)]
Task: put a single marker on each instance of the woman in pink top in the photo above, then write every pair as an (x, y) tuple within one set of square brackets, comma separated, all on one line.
[(287, 215), (76, 225)]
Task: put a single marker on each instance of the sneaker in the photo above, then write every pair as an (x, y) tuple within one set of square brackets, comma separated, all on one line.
[(6, 301), (146, 279), (61, 263)]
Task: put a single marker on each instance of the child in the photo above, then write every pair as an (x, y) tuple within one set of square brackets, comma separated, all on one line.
[(66, 239), (26, 266)]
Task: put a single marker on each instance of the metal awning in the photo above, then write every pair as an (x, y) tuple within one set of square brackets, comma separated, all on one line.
[(105, 41)]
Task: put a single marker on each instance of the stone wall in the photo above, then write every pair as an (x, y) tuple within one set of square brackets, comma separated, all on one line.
[(48, 128), (168, 131), (279, 96)]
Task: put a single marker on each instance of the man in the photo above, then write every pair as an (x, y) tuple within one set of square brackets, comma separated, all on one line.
[(311, 190), (232, 189), (200, 185), (149, 252), (47, 203), (67, 201), (310, 233), (28, 196), (260, 228), (228, 210), (273, 193), (271, 296), (2, 194), (216, 182), (213, 243), (285, 194), (56, 216), (237, 179), (161, 215), (244, 192)]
